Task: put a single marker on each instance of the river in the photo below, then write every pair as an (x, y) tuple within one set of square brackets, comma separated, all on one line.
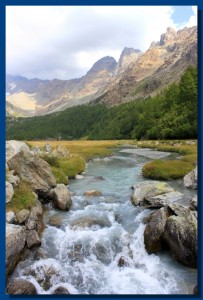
[(98, 247)]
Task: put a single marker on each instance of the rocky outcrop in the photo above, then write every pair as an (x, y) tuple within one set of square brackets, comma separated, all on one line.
[(153, 194), (15, 243), (153, 234), (35, 218), (190, 180), (175, 226), (34, 170), (181, 235), (13, 147), (61, 197), (9, 191), (21, 287), (32, 239)]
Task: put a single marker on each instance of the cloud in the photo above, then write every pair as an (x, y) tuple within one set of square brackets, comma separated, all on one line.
[(64, 42)]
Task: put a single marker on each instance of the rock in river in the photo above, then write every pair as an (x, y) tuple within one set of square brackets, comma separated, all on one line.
[(190, 180), (21, 287), (145, 192), (61, 197), (15, 242)]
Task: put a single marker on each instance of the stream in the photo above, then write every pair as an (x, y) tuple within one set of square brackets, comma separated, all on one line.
[(98, 247)]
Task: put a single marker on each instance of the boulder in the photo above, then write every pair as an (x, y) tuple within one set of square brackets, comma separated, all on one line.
[(34, 170), (22, 215), (92, 193), (60, 291), (61, 197), (13, 147), (147, 189), (9, 191), (10, 217), (21, 287), (35, 218), (162, 200), (15, 242), (61, 152), (190, 180), (180, 233), (154, 230), (32, 239), (56, 221)]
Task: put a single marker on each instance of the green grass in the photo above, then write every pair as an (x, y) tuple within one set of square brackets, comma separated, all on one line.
[(23, 198), (67, 168), (167, 169)]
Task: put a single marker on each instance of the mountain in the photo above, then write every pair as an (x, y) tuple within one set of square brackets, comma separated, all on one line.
[(136, 75), (163, 63)]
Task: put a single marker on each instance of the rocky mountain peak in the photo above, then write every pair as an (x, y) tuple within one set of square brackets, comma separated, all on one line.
[(169, 35), (107, 63), (127, 57)]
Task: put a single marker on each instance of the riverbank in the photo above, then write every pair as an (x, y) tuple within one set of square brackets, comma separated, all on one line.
[(70, 244)]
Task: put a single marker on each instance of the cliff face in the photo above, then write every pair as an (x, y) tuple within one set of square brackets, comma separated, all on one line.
[(136, 75)]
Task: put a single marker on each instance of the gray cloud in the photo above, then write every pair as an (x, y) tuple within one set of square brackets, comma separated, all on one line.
[(64, 42)]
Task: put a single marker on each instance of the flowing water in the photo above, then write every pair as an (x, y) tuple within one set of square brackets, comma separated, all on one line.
[(98, 246)]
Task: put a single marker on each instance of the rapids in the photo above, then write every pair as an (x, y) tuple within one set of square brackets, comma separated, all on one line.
[(98, 247)]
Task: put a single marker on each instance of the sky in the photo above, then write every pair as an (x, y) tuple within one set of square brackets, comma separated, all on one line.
[(64, 42)]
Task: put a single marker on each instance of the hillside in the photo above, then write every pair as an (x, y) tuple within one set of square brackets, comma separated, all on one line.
[(172, 114), (136, 75)]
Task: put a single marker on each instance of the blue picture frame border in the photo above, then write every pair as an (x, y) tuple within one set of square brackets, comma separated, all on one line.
[(3, 5)]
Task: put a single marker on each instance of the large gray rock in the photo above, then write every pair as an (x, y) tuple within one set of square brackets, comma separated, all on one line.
[(154, 230), (34, 170), (61, 197), (190, 180), (22, 215), (9, 191), (180, 233), (32, 239), (162, 200), (21, 287), (15, 242), (35, 218), (174, 225), (13, 147), (148, 189)]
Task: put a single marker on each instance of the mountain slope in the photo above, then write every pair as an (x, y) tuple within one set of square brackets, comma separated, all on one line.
[(136, 75), (163, 63)]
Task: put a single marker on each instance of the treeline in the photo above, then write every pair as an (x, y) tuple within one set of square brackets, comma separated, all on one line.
[(172, 114)]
